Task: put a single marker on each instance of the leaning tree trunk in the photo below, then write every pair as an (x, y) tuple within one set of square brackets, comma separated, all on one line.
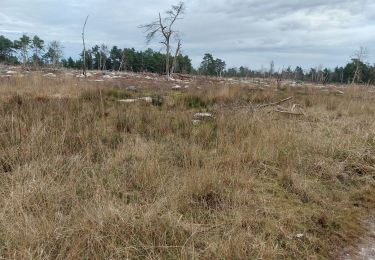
[(174, 64), (356, 73)]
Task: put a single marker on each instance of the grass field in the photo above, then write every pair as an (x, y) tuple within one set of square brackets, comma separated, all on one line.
[(83, 176)]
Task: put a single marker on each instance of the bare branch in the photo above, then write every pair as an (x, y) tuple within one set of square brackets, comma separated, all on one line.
[(174, 14)]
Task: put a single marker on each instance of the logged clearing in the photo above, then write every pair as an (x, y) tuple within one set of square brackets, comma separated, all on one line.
[(123, 166)]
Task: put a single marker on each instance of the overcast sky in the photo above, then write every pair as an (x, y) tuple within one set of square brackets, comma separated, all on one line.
[(242, 32)]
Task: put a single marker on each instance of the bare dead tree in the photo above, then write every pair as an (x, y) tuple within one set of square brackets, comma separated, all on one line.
[(272, 69), (358, 58), (84, 47), (320, 74), (103, 54), (174, 64), (54, 53), (163, 27), (122, 60), (279, 78)]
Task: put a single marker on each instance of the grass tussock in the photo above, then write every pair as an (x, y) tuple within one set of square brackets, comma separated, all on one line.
[(83, 176)]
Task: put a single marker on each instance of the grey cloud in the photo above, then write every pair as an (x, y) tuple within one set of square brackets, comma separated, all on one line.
[(247, 32)]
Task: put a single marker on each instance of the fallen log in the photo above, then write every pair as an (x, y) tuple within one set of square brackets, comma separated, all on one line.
[(275, 103), (289, 113)]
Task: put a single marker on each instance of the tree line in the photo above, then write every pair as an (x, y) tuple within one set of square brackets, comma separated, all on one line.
[(127, 59), (30, 51), (355, 71), (33, 51)]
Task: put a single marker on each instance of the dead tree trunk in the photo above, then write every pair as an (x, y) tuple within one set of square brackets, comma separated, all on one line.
[(356, 73), (174, 64), (100, 61), (167, 36), (358, 58), (122, 61), (84, 47), (167, 65)]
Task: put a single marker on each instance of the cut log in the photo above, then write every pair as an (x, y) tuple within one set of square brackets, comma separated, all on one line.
[(275, 103), (289, 113)]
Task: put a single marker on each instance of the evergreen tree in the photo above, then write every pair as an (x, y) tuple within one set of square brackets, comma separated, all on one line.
[(37, 45), (54, 53), (6, 50), (23, 45)]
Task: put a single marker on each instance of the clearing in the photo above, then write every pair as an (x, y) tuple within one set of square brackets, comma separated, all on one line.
[(126, 165)]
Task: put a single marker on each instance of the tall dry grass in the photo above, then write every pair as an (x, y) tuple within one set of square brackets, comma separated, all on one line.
[(83, 176)]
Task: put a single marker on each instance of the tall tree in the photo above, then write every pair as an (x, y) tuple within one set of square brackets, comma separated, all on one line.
[(272, 68), (54, 53), (298, 73), (6, 49), (37, 45), (70, 63), (219, 67), (358, 59), (116, 57), (104, 52), (208, 65), (123, 60), (96, 56), (23, 44), (184, 64), (164, 28)]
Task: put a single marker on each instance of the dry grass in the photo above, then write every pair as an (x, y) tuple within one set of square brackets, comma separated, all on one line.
[(85, 177)]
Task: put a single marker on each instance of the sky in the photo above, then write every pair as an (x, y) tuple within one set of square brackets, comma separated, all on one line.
[(252, 33)]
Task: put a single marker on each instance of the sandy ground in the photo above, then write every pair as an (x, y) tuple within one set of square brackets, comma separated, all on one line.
[(366, 249)]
